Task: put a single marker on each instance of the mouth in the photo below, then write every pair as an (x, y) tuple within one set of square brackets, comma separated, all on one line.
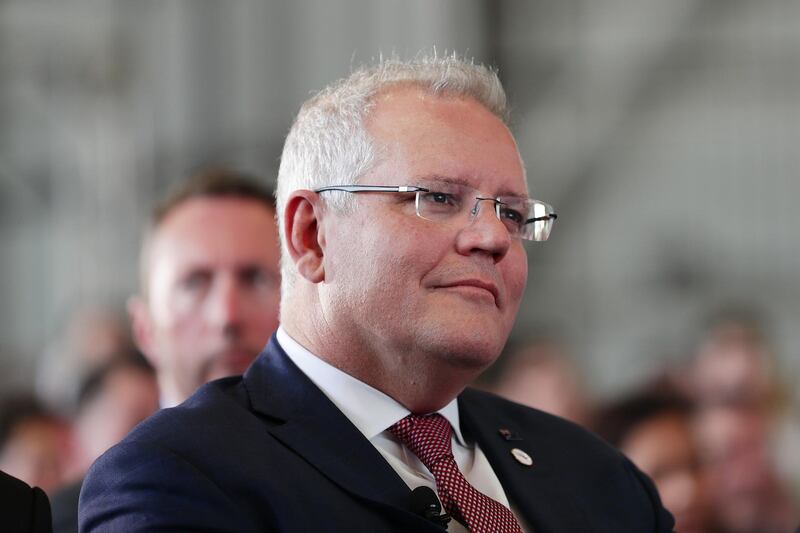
[(473, 288)]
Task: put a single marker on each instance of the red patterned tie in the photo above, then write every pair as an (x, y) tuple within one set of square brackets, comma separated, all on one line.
[(429, 437)]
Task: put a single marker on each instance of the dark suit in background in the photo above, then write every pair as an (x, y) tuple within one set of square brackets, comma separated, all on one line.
[(269, 452), (23, 509), (64, 506)]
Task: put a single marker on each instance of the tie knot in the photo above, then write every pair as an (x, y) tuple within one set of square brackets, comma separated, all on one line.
[(428, 437)]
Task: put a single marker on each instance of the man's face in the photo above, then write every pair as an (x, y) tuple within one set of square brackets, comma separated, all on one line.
[(213, 291), (397, 283)]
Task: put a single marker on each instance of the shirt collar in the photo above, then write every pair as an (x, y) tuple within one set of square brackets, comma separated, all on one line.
[(369, 409)]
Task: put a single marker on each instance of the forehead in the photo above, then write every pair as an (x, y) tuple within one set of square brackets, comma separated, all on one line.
[(420, 135), (224, 230)]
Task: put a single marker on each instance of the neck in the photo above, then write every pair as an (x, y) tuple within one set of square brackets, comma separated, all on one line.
[(169, 395), (422, 382)]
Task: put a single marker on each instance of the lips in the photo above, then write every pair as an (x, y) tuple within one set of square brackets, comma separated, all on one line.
[(473, 283)]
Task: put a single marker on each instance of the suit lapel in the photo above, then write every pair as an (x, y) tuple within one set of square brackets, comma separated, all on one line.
[(305, 420), (533, 491)]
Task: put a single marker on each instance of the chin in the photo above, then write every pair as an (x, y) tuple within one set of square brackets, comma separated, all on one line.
[(474, 350)]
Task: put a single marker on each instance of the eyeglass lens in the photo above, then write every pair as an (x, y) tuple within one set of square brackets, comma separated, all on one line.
[(523, 217)]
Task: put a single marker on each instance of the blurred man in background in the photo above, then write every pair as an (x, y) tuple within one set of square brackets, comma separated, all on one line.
[(744, 425), (33, 442), (747, 491), (209, 300), (653, 427), (210, 282), (92, 334), (541, 374), (113, 399)]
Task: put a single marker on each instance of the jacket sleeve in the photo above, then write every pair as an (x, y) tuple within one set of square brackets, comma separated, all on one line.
[(140, 487), (41, 520)]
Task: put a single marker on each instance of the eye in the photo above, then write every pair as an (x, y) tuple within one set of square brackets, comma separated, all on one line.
[(195, 280), (440, 198), (256, 276), (512, 215)]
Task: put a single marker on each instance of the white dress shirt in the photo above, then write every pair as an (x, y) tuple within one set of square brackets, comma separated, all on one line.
[(373, 412)]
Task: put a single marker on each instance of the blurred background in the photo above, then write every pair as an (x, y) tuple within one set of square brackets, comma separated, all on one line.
[(665, 134)]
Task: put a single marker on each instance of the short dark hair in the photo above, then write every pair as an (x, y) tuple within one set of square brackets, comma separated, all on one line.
[(98, 378), (617, 420), (17, 409), (214, 183), (210, 183)]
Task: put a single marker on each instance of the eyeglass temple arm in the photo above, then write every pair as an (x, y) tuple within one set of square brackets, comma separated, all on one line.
[(371, 188), (546, 217)]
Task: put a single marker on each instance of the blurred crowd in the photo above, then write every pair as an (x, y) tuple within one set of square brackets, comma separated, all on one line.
[(207, 304), (90, 392), (718, 435)]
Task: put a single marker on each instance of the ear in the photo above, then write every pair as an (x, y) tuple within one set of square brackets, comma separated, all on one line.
[(142, 328), (303, 235)]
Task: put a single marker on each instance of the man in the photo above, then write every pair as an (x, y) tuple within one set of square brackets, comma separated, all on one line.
[(653, 427), (113, 399), (208, 304), (402, 203), (210, 282), (32, 442)]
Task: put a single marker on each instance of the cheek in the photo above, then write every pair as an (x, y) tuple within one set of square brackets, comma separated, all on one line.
[(515, 274), (178, 320)]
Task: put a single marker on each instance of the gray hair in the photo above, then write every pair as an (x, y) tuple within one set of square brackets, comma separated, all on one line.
[(328, 143)]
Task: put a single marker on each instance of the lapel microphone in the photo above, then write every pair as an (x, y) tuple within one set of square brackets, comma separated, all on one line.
[(423, 501)]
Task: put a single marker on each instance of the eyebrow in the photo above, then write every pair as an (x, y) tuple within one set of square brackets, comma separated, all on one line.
[(462, 181)]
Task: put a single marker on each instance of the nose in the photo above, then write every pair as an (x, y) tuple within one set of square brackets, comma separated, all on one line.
[(485, 233), (225, 307)]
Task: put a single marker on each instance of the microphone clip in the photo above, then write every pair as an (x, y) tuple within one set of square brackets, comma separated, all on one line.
[(425, 503)]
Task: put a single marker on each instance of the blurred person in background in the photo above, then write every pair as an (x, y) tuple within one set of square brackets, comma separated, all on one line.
[(208, 302), (33, 442), (746, 490), (113, 399), (93, 334), (734, 364), (210, 282), (653, 427), (541, 374), (748, 433)]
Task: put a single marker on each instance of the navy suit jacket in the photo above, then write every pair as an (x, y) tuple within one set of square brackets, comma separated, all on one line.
[(269, 452)]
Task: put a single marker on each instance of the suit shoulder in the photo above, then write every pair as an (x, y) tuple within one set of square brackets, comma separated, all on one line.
[(24, 508), (568, 444), (577, 460), (216, 403), (543, 424)]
